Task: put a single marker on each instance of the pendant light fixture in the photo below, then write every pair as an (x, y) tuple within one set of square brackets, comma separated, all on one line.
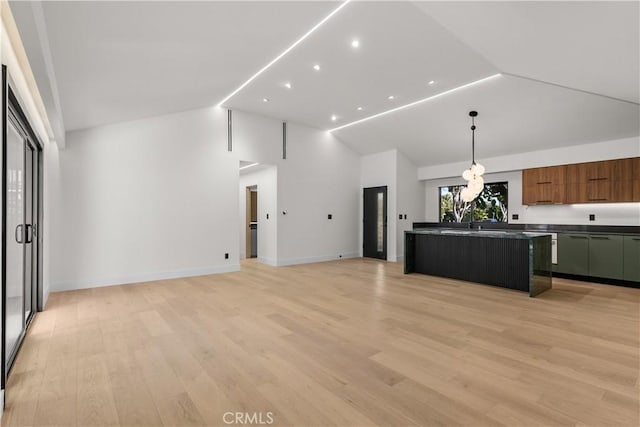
[(473, 175)]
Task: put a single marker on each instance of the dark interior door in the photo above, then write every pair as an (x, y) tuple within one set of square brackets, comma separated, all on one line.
[(374, 229)]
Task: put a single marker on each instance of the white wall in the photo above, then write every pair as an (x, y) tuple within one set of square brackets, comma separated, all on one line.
[(158, 197), (319, 177), (144, 200), (410, 200), (267, 182), (381, 169)]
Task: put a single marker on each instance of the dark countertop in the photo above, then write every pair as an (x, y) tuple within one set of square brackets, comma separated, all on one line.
[(548, 228), (496, 234)]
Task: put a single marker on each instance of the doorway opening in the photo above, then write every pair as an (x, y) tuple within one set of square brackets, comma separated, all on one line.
[(374, 224), (21, 219), (258, 215), (251, 222)]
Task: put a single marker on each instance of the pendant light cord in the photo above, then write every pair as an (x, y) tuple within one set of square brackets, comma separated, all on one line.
[(473, 115), (473, 140)]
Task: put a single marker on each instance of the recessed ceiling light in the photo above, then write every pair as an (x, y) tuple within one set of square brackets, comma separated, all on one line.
[(432, 82), (412, 104), (355, 43), (287, 85), (265, 99), (359, 108), (287, 50), (334, 118), (316, 67), (390, 97)]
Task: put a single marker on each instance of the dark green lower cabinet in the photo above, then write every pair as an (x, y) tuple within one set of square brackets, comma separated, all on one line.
[(606, 255), (631, 262), (573, 254)]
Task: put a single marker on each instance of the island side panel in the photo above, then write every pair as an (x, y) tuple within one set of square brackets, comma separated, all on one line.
[(409, 252), (541, 276)]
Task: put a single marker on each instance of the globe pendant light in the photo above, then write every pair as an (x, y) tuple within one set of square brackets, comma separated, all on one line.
[(473, 175)]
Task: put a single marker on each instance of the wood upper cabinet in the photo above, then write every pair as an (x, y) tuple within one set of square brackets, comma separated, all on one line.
[(594, 182), (635, 182), (543, 185), (622, 179), (589, 182)]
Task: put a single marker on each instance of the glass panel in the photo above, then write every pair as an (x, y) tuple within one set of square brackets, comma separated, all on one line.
[(380, 222), (15, 235), (28, 231)]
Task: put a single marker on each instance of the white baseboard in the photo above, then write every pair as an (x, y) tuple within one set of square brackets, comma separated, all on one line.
[(269, 261), (309, 260), (1, 405), (138, 278)]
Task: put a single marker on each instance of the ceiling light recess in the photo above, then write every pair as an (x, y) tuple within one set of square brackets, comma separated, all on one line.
[(316, 67), (414, 103), (287, 50), (355, 43), (287, 85)]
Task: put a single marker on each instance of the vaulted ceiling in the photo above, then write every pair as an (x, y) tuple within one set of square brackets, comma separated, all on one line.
[(569, 70)]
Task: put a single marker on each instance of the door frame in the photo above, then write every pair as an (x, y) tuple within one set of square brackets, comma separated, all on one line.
[(384, 254), (11, 106)]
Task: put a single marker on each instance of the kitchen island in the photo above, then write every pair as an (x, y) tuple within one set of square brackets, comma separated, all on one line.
[(509, 259)]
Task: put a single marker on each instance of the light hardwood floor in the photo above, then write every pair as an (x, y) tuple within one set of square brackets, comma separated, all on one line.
[(348, 343)]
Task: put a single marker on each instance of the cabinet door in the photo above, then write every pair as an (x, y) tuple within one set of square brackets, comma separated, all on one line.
[(576, 192), (631, 258), (576, 187), (573, 254), (606, 256), (576, 173), (599, 181), (543, 185), (621, 180), (529, 194)]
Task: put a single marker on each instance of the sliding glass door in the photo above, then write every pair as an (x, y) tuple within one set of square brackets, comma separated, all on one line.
[(21, 197)]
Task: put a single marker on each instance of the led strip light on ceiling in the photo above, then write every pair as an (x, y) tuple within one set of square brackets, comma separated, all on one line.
[(277, 58), (420, 101)]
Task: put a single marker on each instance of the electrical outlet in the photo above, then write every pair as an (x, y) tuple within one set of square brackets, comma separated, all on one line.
[(592, 217), (515, 216), (400, 216), (405, 216), (226, 255), (330, 216), (267, 216)]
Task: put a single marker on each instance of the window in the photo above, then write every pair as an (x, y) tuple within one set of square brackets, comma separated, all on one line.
[(490, 205)]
